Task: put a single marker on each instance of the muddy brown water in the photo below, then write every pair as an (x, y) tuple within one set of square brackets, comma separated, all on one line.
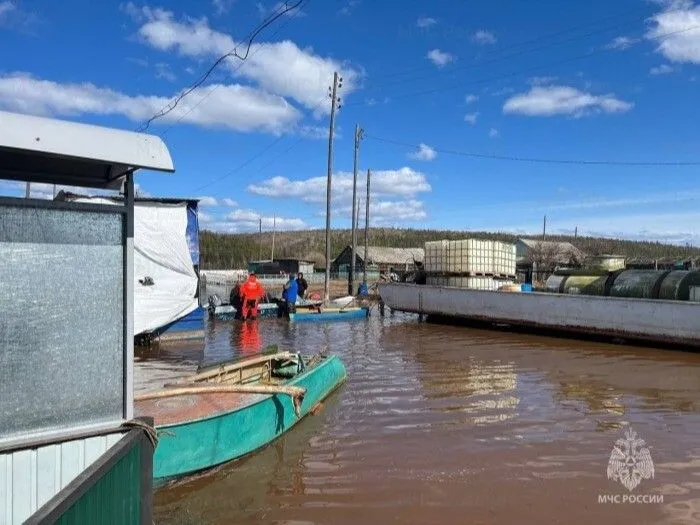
[(439, 425)]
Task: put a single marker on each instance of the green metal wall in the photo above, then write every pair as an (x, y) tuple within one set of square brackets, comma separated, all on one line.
[(115, 489), (115, 498)]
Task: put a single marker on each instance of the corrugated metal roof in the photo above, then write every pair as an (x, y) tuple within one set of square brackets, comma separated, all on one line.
[(561, 246), (383, 255), (561, 252)]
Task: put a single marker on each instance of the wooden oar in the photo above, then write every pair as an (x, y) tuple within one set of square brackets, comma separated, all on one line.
[(295, 392)]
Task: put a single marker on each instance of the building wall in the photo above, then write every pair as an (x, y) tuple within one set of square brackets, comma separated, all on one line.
[(343, 260), (31, 477), (307, 268)]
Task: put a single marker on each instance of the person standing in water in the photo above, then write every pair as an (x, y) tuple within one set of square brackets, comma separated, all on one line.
[(302, 285), (289, 295), (251, 293)]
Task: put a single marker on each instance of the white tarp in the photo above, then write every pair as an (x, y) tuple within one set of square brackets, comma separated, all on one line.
[(161, 253)]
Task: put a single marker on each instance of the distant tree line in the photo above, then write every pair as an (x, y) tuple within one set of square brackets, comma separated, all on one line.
[(229, 251)]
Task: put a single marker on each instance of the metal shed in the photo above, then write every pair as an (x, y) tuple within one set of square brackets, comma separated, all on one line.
[(66, 365)]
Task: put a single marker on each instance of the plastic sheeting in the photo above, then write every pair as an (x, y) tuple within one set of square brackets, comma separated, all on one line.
[(161, 253)]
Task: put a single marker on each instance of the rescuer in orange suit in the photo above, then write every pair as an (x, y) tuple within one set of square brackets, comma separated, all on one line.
[(251, 293)]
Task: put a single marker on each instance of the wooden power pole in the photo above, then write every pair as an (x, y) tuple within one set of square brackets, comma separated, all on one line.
[(364, 264), (351, 277), (544, 227), (335, 101)]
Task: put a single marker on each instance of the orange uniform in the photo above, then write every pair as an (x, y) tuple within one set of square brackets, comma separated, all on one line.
[(251, 293)]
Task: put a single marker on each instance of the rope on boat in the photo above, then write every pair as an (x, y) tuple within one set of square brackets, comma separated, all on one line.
[(150, 431)]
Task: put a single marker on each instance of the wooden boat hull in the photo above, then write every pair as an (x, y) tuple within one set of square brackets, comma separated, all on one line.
[(334, 314), (192, 446)]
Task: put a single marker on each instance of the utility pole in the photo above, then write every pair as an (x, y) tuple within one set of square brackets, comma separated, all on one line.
[(27, 190), (364, 265), (260, 242), (335, 101), (576, 232), (544, 227), (274, 227), (351, 278)]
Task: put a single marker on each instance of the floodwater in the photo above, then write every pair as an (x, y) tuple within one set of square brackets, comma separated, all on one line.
[(441, 425)]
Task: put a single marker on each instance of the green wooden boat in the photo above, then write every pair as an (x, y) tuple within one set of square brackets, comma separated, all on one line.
[(230, 410)]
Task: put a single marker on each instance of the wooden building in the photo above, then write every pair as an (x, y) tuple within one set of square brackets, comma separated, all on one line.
[(279, 266), (379, 258)]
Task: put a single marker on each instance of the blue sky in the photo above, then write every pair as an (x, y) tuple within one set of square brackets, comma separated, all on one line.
[(593, 81)]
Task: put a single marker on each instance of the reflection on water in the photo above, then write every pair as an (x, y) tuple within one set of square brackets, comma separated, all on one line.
[(440, 424)]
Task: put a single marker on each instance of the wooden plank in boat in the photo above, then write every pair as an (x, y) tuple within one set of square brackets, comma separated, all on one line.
[(180, 409)]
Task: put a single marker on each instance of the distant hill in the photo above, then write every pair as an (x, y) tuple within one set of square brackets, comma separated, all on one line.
[(228, 251)]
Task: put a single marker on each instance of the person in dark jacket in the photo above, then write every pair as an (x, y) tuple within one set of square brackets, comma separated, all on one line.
[(302, 285)]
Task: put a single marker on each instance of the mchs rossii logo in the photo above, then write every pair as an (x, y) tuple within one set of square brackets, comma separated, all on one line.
[(630, 463)]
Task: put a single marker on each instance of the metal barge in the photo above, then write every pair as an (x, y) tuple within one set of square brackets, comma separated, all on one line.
[(643, 320)]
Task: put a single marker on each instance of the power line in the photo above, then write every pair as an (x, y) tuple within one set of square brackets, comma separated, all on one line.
[(240, 65), (474, 155), (233, 53), (520, 72), (515, 46), (483, 63), (533, 159), (260, 153)]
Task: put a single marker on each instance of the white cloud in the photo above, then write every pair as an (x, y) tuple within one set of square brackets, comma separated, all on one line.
[(403, 182), (233, 106), (622, 42), (469, 99), (677, 32), (213, 202), (204, 217), (493, 133), (562, 100), (424, 152), (663, 69), (439, 58), (383, 212), (425, 21), (208, 201), (315, 132), (484, 37), (281, 68), (388, 211), (471, 118)]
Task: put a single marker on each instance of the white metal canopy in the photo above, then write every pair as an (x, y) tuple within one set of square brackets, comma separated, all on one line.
[(39, 149)]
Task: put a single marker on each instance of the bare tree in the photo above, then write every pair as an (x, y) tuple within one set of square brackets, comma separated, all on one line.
[(544, 257)]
